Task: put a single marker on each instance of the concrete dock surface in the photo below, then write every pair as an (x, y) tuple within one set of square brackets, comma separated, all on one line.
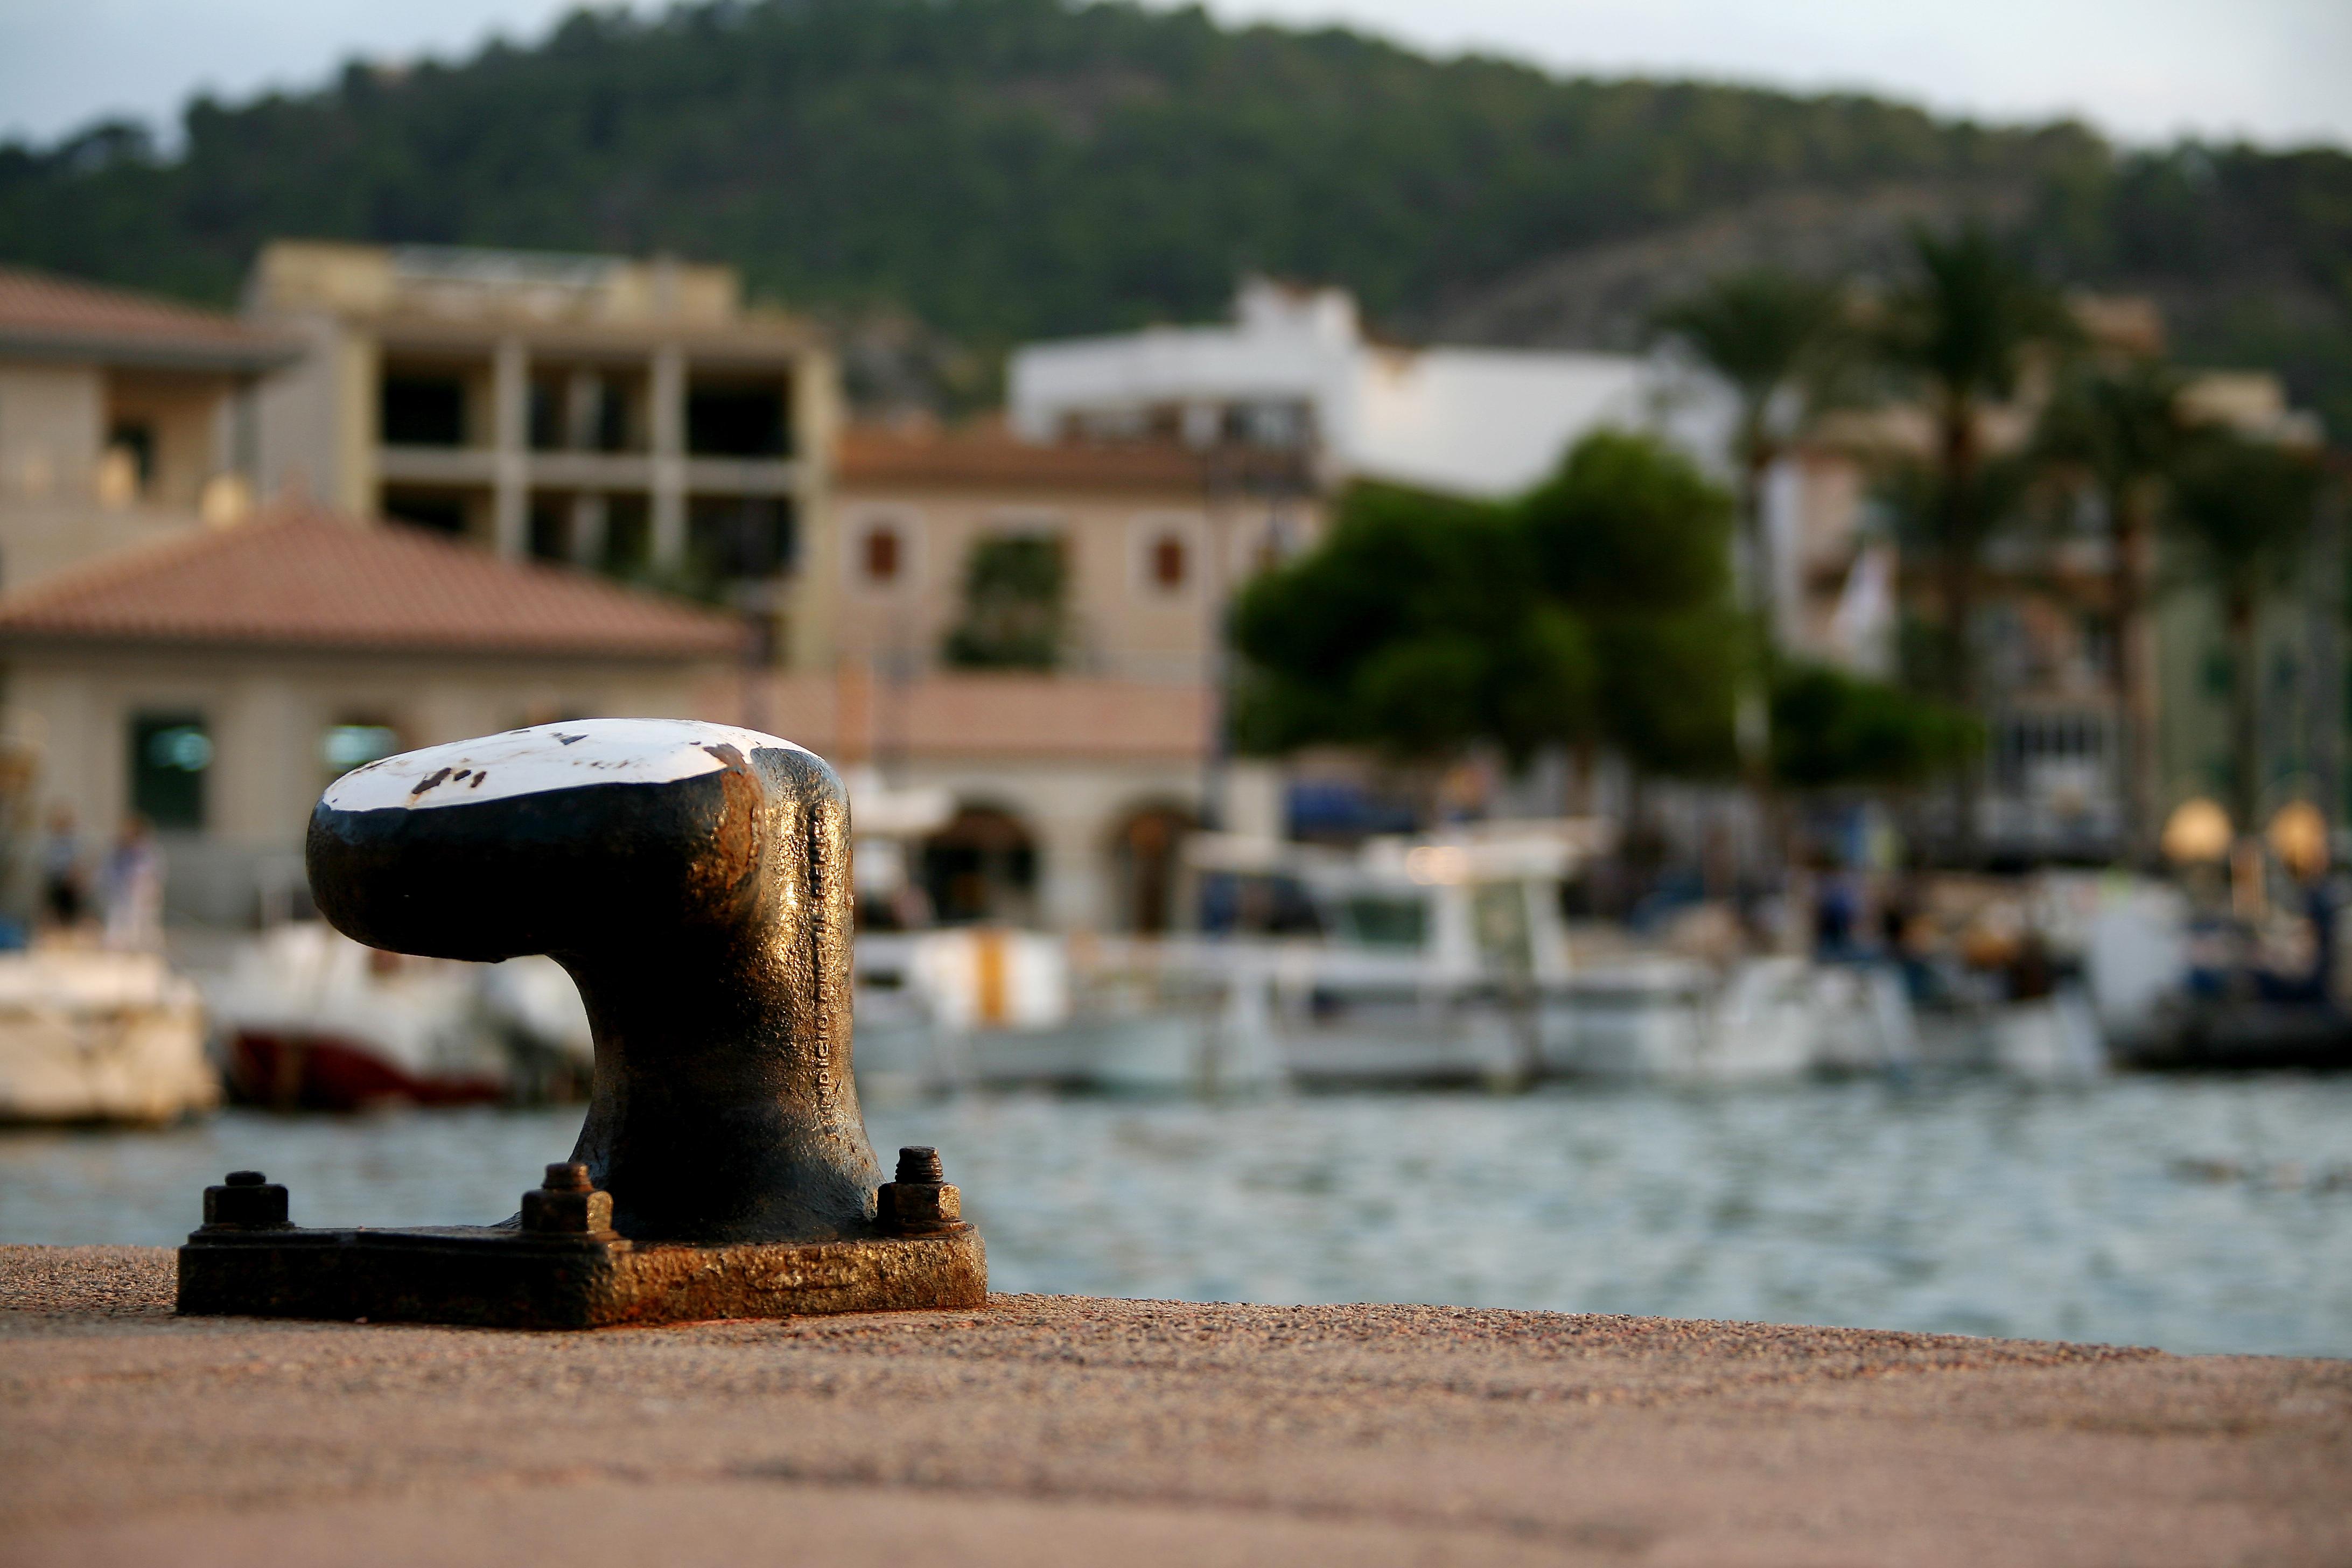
[(1069, 1429)]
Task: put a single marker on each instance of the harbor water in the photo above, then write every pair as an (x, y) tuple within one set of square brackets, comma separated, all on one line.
[(2194, 1214)]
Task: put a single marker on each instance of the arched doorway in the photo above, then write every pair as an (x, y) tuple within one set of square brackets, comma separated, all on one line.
[(982, 867), (1145, 868)]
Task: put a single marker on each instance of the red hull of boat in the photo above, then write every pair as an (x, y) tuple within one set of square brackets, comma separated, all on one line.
[(316, 1072)]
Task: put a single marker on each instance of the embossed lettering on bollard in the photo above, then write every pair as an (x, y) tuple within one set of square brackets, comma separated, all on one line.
[(694, 880)]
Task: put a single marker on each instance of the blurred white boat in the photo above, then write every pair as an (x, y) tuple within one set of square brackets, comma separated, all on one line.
[(96, 1037), (981, 1007), (312, 1020), (535, 1007), (1756, 1019), (1446, 961)]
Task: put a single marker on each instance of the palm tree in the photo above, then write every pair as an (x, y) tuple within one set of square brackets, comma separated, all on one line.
[(2244, 509), (2121, 429), (1961, 331), (1770, 335)]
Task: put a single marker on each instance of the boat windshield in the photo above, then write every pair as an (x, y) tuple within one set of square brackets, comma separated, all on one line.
[(1377, 920)]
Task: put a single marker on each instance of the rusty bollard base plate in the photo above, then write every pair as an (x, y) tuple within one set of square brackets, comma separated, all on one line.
[(506, 1279)]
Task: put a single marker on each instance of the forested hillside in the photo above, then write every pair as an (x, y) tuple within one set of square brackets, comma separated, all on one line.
[(1005, 168)]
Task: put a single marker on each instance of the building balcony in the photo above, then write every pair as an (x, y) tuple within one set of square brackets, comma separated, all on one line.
[(853, 716), (436, 464), (574, 470), (736, 475)]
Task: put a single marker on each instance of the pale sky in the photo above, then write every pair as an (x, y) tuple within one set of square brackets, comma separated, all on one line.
[(2279, 71)]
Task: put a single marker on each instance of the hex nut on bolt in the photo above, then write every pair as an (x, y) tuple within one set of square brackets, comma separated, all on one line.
[(567, 1205), (247, 1200), (919, 1203)]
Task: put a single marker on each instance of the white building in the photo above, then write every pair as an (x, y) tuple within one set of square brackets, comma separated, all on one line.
[(1295, 370)]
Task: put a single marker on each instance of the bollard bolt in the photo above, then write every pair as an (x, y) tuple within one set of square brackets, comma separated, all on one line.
[(919, 1203), (247, 1200), (567, 1205)]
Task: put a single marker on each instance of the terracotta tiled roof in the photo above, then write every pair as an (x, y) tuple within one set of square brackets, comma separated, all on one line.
[(46, 313), (989, 456), (306, 581)]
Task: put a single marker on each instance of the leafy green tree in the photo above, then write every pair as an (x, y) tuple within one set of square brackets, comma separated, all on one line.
[(1831, 729), (2119, 430), (1633, 540), (1669, 688), (1415, 627), (1591, 609), (2243, 511), (1627, 526)]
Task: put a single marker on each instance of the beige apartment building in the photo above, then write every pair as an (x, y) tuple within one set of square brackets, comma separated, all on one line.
[(632, 415), (1150, 540), (1073, 776), (546, 414), (123, 418)]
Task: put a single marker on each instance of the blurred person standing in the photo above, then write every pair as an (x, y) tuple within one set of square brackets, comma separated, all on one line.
[(133, 889), (65, 892)]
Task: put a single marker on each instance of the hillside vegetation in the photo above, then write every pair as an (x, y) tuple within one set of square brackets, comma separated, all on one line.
[(1007, 168)]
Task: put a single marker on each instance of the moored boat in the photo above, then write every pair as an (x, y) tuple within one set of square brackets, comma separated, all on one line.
[(311, 1020), (89, 1036), (1445, 960), (989, 1007)]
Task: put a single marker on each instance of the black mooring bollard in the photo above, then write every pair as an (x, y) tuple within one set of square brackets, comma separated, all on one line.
[(694, 880)]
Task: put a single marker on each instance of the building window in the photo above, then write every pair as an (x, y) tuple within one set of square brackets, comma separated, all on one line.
[(2031, 750), (1170, 563), (628, 536), (1163, 554), (882, 555), (983, 865), (1013, 619), (355, 743), (551, 531), (612, 419), (170, 753), (2097, 642), (423, 411), (1270, 545), (438, 511), (732, 538), (137, 438), (1283, 426), (546, 417), (2218, 674), (736, 422)]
